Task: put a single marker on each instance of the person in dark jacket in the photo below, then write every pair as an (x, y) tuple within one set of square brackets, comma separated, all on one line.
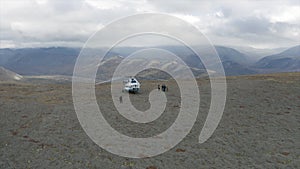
[(121, 99), (163, 87)]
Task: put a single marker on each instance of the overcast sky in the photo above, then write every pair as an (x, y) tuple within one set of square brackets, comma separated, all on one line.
[(44, 23)]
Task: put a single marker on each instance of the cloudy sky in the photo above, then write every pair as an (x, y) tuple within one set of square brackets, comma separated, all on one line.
[(255, 23)]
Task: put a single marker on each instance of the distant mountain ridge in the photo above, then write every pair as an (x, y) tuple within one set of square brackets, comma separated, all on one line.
[(236, 63), (7, 75), (288, 60), (40, 61), (61, 61)]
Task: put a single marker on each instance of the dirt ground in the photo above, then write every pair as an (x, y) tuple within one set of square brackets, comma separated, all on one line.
[(260, 127)]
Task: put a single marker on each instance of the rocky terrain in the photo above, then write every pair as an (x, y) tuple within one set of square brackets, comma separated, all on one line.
[(260, 127)]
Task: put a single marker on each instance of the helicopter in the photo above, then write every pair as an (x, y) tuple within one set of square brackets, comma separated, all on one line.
[(131, 85)]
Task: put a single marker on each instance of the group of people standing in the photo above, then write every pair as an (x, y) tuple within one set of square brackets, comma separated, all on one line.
[(163, 88)]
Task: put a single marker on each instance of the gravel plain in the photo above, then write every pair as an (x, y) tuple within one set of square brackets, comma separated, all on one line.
[(260, 127)]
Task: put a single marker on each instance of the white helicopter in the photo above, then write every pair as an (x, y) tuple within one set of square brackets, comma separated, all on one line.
[(131, 85)]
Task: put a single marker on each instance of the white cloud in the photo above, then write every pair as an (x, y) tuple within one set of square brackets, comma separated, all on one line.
[(188, 18), (286, 14), (219, 14), (105, 5)]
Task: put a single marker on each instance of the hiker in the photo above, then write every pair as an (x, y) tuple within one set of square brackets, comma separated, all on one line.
[(158, 87), (121, 99), (163, 87)]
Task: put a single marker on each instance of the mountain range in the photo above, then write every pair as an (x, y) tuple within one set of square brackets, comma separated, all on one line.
[(286, 61), (61, 60)]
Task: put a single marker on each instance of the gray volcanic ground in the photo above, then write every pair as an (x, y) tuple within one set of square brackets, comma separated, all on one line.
[(260, 127)]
